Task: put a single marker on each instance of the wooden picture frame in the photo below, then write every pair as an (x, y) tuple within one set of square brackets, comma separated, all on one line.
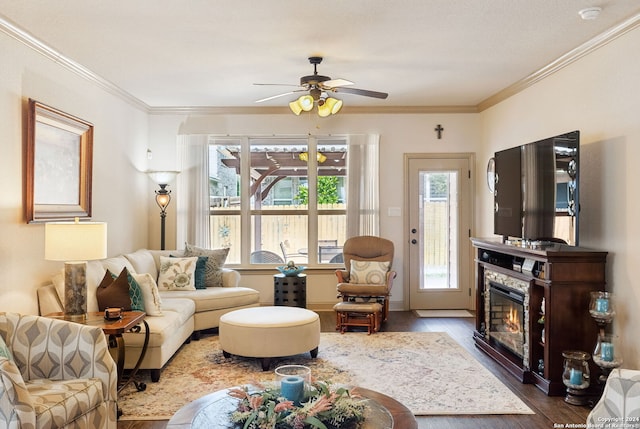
[(58, 165)]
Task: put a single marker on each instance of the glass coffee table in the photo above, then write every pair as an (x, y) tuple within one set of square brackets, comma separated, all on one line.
[(212, 412)]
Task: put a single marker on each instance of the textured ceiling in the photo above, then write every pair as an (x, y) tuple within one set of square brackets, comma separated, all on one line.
[(170, 53)]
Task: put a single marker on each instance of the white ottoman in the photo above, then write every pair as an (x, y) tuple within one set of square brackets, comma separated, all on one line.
[(268, 332)]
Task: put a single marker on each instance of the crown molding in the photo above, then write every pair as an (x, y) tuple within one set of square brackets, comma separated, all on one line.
[(281, 110), (47, 51), (562, 62), (602, 39)]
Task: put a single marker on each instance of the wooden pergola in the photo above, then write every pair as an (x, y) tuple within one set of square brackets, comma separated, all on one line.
[(280, 164)]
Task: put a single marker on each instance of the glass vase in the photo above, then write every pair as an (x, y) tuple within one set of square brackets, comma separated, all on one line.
[(601, 307), (576, 369), (607, 355)]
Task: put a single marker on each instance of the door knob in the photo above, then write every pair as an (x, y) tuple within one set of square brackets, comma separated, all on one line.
[(414, 241), (413, 230)]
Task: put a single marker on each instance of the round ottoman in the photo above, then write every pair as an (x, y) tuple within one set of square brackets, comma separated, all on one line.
[(268, 332)]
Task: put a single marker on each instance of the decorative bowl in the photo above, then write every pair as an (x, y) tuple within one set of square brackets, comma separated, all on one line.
[(290, 271)]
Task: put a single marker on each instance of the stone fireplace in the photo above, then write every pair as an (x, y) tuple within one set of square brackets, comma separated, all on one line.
[(506, 310)]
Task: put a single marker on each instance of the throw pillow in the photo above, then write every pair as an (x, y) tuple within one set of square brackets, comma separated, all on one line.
[(114, 292), (150, 294), (369, 272), (135, 293), (201, 270), (217, 258), (4, 350), (177, 273)]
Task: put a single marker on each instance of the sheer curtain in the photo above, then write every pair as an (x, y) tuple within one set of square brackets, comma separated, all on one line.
[(363, 201), (193, 191)]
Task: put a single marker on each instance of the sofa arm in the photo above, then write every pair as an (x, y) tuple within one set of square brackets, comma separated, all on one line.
[(15, 399), (59, 349), (230, 278), (48, 300)]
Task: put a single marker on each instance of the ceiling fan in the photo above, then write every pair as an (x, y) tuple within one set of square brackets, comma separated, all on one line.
[(318, 87)]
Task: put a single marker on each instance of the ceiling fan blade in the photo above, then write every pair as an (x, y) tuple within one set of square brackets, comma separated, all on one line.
[(276, 84), (334, 83), (365, 92), (274, 96), (280, 95)]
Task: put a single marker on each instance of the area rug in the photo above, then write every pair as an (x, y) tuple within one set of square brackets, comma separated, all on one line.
[(427, 371), (443, 313)]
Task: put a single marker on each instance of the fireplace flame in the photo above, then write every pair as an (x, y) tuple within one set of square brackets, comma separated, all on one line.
[(512, 321)]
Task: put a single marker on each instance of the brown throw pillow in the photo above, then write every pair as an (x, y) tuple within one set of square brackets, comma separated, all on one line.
[(114, 293)]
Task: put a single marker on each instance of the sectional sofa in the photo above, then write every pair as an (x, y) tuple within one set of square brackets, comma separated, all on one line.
[(183, 313)]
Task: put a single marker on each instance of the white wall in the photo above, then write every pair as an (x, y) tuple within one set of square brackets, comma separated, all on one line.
[(597, 95), (120, 138), (400, 134)]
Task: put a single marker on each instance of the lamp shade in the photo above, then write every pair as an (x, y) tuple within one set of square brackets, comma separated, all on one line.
[(75, 241), (162, 177)]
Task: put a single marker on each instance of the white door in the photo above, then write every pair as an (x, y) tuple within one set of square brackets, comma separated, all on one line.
[(439, 207)]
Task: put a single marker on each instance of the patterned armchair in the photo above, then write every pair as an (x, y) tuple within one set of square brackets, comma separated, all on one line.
[(619, 405), (58, 374)]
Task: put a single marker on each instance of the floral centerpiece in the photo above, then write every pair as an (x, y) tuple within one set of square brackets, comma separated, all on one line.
[(321, 408)]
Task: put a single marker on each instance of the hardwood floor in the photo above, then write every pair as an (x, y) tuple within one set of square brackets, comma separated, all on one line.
[(550, 412)]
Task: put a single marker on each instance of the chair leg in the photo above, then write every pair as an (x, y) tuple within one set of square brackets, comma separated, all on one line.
[(385, 310)]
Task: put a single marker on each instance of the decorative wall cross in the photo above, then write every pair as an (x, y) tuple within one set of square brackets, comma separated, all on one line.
[(439, 130)]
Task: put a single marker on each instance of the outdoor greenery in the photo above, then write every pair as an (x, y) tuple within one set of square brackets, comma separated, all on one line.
[(327, 191)]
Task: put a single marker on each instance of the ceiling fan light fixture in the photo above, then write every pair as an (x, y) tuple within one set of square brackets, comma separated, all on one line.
[(333, 104), (323, 109), (295, 107), (303, 103), (306, 102)]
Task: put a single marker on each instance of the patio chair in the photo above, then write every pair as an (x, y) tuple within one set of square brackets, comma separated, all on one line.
[(265, 257)]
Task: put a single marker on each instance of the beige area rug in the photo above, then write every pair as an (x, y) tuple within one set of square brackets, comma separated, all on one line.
[(427, 371), (443, 313)]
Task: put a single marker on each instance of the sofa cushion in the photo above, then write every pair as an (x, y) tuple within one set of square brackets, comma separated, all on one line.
[(216, 298), (177, 273), (60, 402), (142, 261), (175, 313), (114, 292), (217, 258), (116, 264), (150, 294)]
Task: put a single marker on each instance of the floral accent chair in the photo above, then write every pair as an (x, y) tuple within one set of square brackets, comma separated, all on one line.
[(619, 405), (55, 374)]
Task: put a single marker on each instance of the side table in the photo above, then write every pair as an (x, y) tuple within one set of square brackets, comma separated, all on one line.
[(290, 291), (114, 329)]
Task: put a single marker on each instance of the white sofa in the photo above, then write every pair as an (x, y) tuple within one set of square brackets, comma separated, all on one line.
[(184, 313)]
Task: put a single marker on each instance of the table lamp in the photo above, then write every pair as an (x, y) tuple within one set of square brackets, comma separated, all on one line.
[(75, 243)]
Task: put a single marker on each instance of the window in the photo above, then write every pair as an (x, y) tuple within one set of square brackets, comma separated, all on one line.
[(278, 199)]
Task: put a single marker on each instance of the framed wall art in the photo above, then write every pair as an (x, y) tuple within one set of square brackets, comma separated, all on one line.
[(59, 158)]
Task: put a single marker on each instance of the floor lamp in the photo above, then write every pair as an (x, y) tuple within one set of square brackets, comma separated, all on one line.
[(163, 197), (75, 243)]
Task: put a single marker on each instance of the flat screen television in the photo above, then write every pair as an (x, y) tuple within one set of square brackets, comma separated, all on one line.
[(536, 194)]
